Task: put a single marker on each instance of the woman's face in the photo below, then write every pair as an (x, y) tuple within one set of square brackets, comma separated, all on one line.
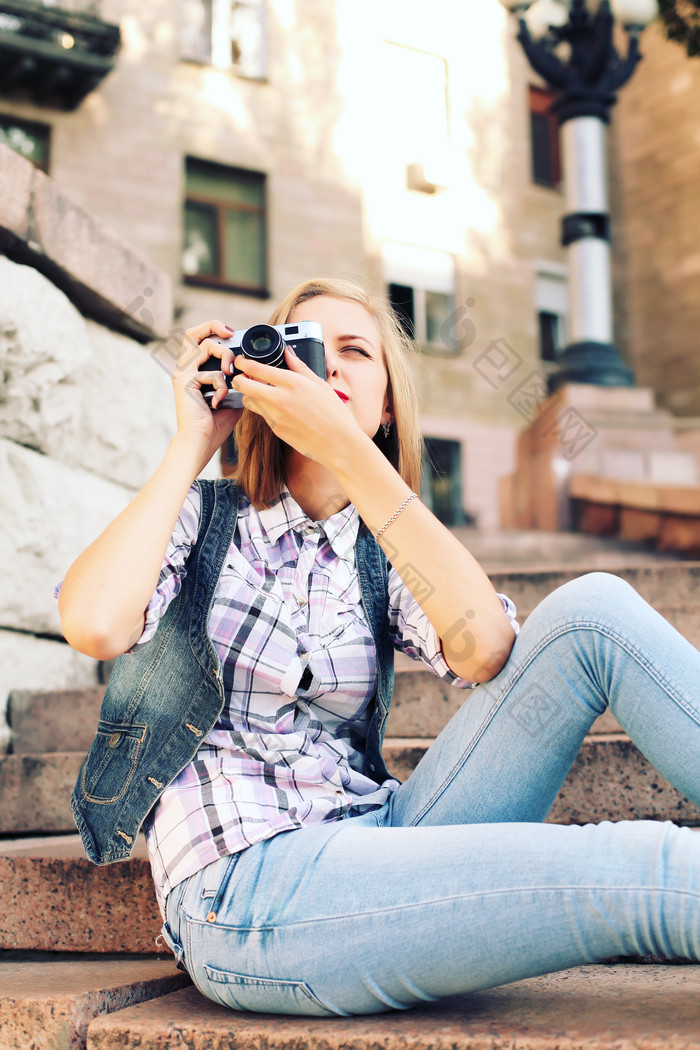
[(355, 366)]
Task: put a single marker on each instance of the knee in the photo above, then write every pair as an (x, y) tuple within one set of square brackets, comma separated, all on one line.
[(591, 596)]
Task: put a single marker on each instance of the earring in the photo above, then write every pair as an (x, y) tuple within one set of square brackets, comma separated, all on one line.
[(386, 427)]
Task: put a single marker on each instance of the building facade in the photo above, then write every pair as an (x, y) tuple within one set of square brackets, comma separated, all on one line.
[(658, 155), (245, 146)]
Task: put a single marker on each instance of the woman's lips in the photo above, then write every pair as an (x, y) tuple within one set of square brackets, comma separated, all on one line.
[(341, 395)]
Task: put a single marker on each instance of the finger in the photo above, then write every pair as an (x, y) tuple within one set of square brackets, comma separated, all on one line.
[(210, 380), (295, 364), (270, 374), (201, 331), (218, 397), (197, 346), (209, 348), (227, 360)]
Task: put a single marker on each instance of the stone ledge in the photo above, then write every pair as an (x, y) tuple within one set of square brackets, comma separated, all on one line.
[(56, 720), (55, 899), (47, 1005), (640, 495), (65, 719), (672, 587), (635, 1007), (42, 227), (609, 780), (49, 512)]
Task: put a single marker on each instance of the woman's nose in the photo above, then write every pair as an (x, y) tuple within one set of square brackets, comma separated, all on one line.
[(331, 364)]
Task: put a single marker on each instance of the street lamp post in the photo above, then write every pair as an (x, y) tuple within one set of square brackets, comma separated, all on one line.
[(584, 82)]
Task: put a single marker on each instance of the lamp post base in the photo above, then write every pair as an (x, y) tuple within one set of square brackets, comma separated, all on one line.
[(591, 362)]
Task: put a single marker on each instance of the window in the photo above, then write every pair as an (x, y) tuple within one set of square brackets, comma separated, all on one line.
[(420, 287), (544, 133), (229, 34), (549, 335), (423, 315), (551, 306), (402, 298), (28, 139), (225, 238), (441, 484), (416, 129)]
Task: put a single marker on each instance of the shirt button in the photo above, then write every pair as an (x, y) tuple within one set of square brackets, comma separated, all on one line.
[(301, 602), (211, 917), (309, 529)]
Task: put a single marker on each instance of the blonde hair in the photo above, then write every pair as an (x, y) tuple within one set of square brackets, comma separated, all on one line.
[(261, 468)]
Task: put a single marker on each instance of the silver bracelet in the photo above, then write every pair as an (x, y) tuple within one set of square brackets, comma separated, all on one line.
[(395, 515)]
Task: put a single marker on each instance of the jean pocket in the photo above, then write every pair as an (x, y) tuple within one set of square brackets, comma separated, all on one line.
[(261, 994)]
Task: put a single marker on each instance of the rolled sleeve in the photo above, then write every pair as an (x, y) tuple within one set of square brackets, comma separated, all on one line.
[(414, 635)]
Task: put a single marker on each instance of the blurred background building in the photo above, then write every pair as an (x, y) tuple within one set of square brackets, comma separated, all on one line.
[(244, 146)]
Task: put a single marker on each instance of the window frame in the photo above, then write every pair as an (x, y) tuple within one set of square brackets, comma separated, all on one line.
[(557, 323), (431, 475), (218, 280), (540, 101), (218, 40), (30, 126)]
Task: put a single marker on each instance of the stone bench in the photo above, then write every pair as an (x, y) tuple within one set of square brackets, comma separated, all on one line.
[(667, 515)]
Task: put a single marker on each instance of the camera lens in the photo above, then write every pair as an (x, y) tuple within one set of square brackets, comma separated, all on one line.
[(263, 343)]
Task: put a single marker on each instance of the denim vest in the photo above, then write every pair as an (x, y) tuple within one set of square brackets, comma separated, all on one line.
[(163, 700)]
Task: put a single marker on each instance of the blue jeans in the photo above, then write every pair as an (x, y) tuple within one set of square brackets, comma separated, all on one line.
[(456, 884)]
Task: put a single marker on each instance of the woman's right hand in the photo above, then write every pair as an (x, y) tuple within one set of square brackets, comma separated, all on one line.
[(195, 419)]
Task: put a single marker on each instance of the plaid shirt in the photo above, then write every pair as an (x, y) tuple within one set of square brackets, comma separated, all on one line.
[(287, 749)]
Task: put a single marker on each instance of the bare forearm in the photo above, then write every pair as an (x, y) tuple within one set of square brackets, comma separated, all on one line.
[(446, 580), (106, 590)]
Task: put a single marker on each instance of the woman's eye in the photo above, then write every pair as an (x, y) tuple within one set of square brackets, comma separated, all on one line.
[(355, 350)]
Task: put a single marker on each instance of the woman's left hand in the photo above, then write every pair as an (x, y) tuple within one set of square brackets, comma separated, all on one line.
[(302, 409)]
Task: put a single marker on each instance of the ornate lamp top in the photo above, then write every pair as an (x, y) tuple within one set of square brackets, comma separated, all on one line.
[(586, 79)]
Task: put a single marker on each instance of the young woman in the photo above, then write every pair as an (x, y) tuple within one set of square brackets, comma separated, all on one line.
[(242, 728)]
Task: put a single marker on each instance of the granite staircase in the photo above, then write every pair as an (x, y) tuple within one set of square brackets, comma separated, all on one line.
[(80, 962)]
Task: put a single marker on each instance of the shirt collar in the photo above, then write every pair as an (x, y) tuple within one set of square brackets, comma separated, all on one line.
[(285, 514)]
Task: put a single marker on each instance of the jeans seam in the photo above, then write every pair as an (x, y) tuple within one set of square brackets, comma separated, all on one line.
[(554, 634), (480, 895)]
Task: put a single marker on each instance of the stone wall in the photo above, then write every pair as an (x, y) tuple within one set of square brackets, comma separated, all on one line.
[(335, 136), (658, 149), (85, 409)]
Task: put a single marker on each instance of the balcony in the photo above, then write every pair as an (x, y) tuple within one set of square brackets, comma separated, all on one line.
[(54, 56)]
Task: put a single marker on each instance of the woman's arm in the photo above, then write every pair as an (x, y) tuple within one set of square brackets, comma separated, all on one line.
[(446, 580), (107, 589)]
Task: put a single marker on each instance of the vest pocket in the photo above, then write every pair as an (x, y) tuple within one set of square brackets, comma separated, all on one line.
[(111, 761)]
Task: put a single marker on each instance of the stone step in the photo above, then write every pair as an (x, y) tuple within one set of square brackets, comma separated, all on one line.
[(671, 587), (604, 1007), (66, 719), (423, 704), (55, 899), (48, 1004), (35, 792), (53, 720), (113, 908), (609, 780)]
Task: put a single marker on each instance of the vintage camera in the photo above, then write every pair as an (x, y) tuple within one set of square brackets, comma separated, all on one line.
[(266, 343)]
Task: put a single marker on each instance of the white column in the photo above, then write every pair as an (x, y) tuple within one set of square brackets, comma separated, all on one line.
[(590, 277)]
